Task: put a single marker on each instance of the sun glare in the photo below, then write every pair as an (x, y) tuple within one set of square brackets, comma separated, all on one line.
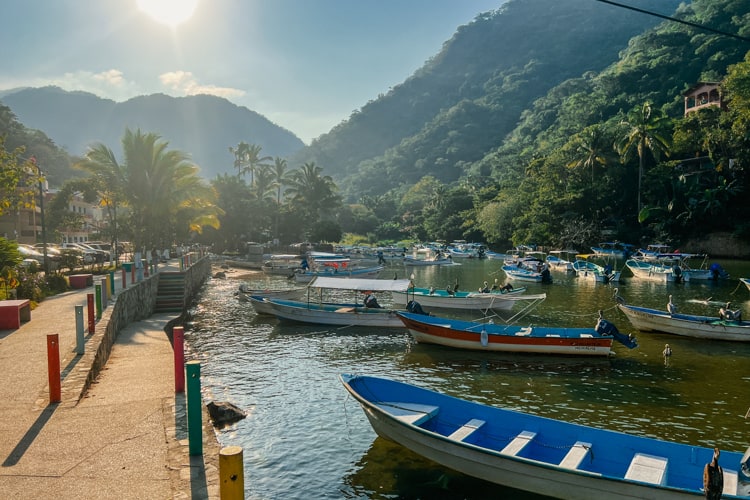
[(169, 12)]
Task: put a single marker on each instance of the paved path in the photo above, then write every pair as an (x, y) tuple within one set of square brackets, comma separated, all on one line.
[(125, 438)]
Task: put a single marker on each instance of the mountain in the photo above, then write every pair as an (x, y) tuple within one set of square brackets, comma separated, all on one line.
[(466, 100), (203, 126)]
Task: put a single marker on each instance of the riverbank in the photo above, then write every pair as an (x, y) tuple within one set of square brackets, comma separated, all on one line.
[(119, 434)]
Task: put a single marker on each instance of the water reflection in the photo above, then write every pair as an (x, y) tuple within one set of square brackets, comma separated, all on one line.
[(304, 434)]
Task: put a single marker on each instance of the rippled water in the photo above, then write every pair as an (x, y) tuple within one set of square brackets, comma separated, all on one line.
[(305, 438)]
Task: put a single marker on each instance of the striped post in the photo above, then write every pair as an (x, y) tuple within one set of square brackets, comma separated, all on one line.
[(92, 319), (79, 330), (231, 473), (178, 338), (194, 408), (53, 368)]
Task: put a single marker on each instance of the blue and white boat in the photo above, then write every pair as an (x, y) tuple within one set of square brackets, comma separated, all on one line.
[(591, 271), (614, 249), (530, 269), (538, 454)]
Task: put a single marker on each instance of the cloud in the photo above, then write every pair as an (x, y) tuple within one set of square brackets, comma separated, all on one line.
[(184, 82)]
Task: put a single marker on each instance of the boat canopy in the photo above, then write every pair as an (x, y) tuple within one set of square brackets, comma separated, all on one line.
[(360, 284)]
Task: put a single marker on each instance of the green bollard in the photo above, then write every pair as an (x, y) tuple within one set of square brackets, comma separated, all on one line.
[(98, 294), (194, 407), (111, 283), (79, 330)]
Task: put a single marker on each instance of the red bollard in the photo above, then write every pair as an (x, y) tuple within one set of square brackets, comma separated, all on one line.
[(178, 342), (124, 279), (53, 368), (92, 313), (132, 273)]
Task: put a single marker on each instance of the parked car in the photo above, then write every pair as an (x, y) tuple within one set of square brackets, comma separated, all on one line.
[(89, 255), (30, 252)]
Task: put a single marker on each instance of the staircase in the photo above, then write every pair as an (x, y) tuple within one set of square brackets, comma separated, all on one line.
[(170, 294)]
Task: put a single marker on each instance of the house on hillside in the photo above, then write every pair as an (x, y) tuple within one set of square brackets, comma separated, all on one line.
[(702, 95)]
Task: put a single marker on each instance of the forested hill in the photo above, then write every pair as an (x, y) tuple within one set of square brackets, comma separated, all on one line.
[(203, 126), (464, 101)]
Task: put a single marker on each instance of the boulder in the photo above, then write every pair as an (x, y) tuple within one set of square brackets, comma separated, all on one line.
[(223, 413)]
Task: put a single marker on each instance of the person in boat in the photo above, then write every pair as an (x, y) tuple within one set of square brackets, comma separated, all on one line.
[(371, 302), (304, 265), (713, 477), (381, 257)]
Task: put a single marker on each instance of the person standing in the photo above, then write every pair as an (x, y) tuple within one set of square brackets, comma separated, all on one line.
[(713, 477)]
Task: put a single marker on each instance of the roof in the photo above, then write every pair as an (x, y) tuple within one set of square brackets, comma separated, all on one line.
[(375, 285)]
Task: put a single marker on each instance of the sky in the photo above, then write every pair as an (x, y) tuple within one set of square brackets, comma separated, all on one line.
[(306, 65)]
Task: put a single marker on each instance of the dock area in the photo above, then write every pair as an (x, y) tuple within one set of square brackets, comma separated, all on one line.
[(121, 435)]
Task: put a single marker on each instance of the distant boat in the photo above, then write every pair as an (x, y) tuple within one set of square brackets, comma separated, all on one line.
[(530, 269), (538, 454), (561, 260), (614, 249), (591, 271), (484, 336)]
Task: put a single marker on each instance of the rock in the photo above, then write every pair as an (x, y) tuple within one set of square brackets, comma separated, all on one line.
[(220, 274), (223, 413)]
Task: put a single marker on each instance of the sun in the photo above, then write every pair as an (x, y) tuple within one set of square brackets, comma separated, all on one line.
[(169, 12)]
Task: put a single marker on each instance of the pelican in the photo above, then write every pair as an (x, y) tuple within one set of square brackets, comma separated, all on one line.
[(617, 297), (671, 307)]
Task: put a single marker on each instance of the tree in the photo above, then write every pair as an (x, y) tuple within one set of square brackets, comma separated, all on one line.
[(314, 194), (642, 132), (593, 146), (240, 156), (253, 161), (161, 187), (281, 179), (18, 179)]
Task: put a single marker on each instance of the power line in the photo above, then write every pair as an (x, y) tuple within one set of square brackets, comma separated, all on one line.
[(681, 21)]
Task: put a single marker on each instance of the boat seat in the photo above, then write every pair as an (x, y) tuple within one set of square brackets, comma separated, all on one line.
[(730, 483), (518, 443), (575, 455), (467, 429), (647, 469), (410, 413)]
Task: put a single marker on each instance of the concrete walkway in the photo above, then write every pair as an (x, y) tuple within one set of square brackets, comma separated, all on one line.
[(124, 438)]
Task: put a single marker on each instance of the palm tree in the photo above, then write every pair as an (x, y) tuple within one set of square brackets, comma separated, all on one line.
[(593, 147), (253, 161), (281, 180), (313, 191), (160, 186), (240, 156), (642, 132)]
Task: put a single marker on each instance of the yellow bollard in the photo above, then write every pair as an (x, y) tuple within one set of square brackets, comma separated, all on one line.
[(231, 473)]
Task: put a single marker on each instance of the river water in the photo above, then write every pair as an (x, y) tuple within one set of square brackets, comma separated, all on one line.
[(305, 438)]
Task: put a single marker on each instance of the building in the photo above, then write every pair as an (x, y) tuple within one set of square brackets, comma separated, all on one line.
[(702, 95)]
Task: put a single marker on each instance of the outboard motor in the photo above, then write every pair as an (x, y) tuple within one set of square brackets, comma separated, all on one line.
[(743, 476), (604, 327), (414, 307)]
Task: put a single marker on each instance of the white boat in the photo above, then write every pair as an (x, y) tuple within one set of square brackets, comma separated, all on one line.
[(614, 249), (245, 291), (538, 454), (433, 260), (315, 310), (719, 327), (591, 271), (652, 253), (528, 269), (660, 273), (561, 260), (281, 264), (478, 301), (332, 271), (746, 282)]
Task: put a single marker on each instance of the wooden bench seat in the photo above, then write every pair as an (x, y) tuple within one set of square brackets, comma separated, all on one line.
[(13, 312), (518, 443), (647, 469), (575, 455), (410, 413), (467, 429)]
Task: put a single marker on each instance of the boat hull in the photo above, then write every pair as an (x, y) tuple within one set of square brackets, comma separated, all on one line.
[(653, 272), (506, 338), (701, 327), (528, 452), (367, 272), (327, 314)]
